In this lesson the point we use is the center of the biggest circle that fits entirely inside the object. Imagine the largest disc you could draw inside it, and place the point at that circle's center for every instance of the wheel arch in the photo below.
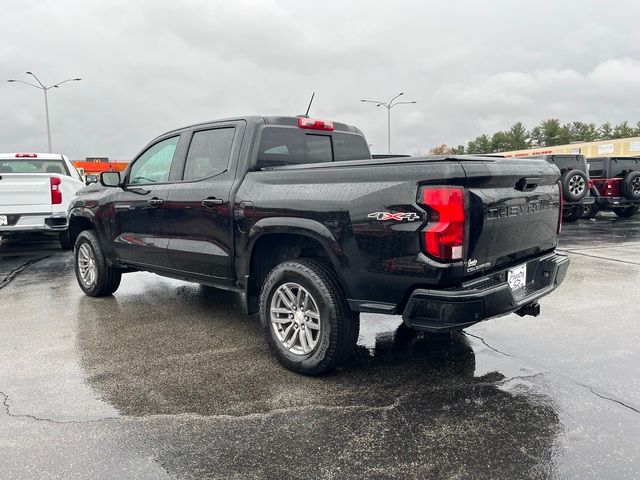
(78, 224)
(273, 241)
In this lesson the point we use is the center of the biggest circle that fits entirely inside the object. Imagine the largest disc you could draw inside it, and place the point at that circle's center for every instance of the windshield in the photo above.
(33, 165)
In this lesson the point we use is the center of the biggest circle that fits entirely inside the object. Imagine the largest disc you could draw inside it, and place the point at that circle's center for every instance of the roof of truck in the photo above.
(39, 156)
(289, 121)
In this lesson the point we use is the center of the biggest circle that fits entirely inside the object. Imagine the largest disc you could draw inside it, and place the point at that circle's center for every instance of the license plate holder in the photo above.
(4, 220)
(517, 277)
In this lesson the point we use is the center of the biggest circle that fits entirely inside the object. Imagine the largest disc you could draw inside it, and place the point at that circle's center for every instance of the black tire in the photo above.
(590, 211)
(571, 214)
(65, 241)
(107, 278)
(339, 326)
(574, 185)
(631, 185)
(626, 212)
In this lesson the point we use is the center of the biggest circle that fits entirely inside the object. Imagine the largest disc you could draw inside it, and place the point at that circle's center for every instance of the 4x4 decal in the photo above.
(410, 216)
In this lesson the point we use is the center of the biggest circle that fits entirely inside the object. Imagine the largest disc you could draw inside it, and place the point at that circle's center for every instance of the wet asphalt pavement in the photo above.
(168, 380)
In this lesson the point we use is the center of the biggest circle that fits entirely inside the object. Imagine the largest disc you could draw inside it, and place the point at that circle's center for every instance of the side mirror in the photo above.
(89, 179)
(110, 179)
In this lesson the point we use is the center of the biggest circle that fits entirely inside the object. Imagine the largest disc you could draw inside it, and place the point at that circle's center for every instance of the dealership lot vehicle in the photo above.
(35, 192)
(575, 184)
(295, 215)
(615, 183)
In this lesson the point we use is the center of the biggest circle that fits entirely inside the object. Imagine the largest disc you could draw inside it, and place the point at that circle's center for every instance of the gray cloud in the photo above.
(150, 66)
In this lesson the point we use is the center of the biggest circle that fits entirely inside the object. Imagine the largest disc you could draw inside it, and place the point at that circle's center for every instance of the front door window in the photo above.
(154, 165)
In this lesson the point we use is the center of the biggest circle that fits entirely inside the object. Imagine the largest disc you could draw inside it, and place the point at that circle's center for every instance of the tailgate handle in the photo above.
(526, 184)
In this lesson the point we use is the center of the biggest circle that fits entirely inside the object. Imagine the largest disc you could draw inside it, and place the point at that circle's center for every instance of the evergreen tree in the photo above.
(605, 132)
(500, 142)
(623, 130)
(517, 137)
(551, 132)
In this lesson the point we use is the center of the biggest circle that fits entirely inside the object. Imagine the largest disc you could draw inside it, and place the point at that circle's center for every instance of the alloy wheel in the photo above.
(576, 184)
(87, 265)
(295, 318)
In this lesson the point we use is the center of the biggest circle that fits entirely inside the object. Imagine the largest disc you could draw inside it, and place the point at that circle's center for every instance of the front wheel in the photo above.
(626, 212)
(305, 317)
(95, 277)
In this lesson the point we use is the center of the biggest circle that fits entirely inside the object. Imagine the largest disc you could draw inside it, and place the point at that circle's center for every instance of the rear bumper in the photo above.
(483, 298)
(615, 202)
(48, 222)
(586, 200)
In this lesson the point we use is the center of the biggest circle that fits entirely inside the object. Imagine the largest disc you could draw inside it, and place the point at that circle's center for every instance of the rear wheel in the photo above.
(571, 214)
(626, 212)
(631, 185)
(590, 211)
(95, 277)
(305, 317)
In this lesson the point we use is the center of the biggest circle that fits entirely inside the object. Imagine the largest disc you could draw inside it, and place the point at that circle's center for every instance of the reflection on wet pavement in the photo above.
(168, 379)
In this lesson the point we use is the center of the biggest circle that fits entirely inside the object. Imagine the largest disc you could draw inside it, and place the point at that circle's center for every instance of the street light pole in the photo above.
(44, 89)
(46, 112)
(388, 105)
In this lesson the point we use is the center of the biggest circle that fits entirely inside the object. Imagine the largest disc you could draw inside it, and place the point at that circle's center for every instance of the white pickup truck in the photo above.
(35, 192)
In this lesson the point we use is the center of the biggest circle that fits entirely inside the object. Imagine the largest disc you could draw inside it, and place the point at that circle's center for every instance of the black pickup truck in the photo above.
(295, 215)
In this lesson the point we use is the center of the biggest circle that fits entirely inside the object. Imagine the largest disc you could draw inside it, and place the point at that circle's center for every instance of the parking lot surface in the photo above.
(169, 380)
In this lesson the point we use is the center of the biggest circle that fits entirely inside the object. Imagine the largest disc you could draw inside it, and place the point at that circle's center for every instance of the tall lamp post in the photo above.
(388, 105)
(41, 86)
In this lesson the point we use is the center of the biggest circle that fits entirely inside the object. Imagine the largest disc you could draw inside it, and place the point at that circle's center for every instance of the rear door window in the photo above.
(208, 153)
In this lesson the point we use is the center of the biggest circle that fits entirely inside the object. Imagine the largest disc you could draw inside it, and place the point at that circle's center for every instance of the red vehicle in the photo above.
(615, 183)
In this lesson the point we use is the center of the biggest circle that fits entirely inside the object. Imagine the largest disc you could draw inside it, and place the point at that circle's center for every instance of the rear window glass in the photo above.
(348, 146)
(621, 166)
(292, 146)
(595, 168)
(208, 153)
(567, 162)
(33, 165)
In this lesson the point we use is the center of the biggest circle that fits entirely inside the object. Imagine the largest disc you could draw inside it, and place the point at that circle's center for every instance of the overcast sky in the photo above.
(151, 66)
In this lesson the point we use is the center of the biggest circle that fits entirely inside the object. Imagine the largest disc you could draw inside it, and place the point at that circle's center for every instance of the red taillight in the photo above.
(444, 235)
(26, 155)
(56, 193)
(559, 229)
(315, 124)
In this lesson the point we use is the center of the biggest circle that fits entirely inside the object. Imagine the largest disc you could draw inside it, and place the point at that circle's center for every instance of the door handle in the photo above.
(155, 201)
(211, 202)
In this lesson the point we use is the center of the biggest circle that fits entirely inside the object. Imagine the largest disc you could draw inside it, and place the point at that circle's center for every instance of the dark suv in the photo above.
(615, 184)
(575, 184)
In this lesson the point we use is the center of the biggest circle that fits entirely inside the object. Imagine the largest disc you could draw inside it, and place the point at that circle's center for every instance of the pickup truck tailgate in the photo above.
(25, 193)
(514, 207)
